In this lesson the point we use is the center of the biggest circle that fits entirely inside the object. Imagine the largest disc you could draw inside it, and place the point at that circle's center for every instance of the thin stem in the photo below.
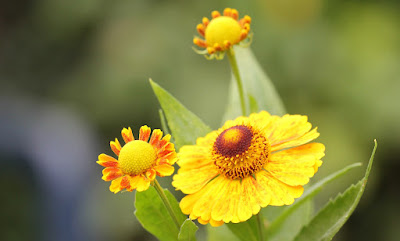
(260, 226)
(235, 70)
(164, 198)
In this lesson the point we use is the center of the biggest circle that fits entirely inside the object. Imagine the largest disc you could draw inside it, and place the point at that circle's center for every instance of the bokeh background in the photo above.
(73, 73)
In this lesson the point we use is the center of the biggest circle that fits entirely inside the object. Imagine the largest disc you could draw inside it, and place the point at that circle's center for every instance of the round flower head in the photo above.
(139, 161)
(249, 163)
(222, 32)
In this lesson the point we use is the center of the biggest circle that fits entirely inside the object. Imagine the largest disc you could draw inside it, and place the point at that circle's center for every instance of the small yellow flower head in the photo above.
(222, 32)
(139, 161)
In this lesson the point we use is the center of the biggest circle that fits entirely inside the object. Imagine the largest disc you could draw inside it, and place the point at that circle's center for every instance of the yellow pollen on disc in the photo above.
(232, 136)
(240, 151)
(136, 157)
(222, 29)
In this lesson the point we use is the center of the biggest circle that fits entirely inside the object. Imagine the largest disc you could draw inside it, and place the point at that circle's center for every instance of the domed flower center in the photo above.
(136, 157)
(222, 29)
(233, 141)
(240, 151)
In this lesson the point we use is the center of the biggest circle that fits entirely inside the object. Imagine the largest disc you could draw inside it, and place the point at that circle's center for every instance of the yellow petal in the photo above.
(221, 206)
(248, 204)
(155, 137)
(111, 173)
(190, 157)
(295, 166)
(233, 202)
(216, 223)
(309, 136)
(144, 133)
(164, 170)
(142, 184)
(202, 208)
(187, 203)
(116, 185)
(208, 140)
(317, 164)
(192, 180)
(107, 161)
(115, 146)
(281, 193)
(288, 131)
(127, 135)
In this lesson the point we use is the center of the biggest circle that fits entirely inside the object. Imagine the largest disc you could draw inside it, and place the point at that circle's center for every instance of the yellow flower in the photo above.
(139, 161)
(222, 32)
(249, 163)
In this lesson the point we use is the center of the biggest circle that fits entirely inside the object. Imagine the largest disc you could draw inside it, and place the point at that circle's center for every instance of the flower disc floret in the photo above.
(240, 151)
(249, 163)
(136, 157)
(139, 161)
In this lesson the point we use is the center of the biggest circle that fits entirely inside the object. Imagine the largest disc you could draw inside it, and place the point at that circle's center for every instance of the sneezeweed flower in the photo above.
(222, 32)
(249, 163)
(139, 161)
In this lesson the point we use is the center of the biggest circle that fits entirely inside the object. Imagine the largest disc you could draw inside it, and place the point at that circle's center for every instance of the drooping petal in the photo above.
(317, 165)
(116, 185)
(107, 161)
(232, 202)
(151, 174)
(191, 180)
(203, 207)
(144, 133)
(164, 170)
(127, 135)
(115, 146)
(295, 166)
(216, 223)
(142, 184)
(111, 173)
(248, 203)
(281, 193)
(125, 182)
(187, 203)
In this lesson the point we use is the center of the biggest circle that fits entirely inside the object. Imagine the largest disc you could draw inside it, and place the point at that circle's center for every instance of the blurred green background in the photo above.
(73, 73)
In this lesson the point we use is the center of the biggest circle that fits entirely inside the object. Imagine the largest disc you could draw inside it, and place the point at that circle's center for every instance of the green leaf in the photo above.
(256, 84)
(334, 215)
(154, 217)
(253, 104)
(163, 121)
(292, 218)
(245, 231)
(185, 126)
(221, 233)
(188, 231)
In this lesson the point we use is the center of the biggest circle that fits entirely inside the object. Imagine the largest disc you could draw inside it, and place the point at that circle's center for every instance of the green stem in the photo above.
(164, 198)
(260, 226)
(235, 71)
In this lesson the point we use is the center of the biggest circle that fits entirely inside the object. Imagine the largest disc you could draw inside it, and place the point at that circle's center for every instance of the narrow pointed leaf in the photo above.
(334, 215)
(154, 217)
(245, 231)
(163, 121)
(185, 126)
(256, 84)
(293, 218)
(188, 231)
